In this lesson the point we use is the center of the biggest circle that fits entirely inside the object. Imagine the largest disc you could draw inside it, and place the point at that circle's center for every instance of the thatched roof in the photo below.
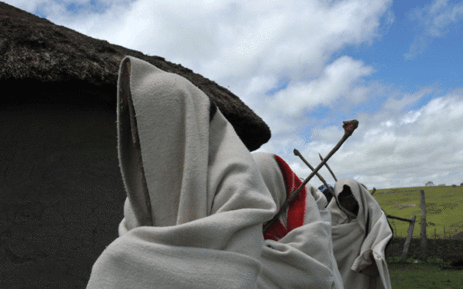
(43, 62)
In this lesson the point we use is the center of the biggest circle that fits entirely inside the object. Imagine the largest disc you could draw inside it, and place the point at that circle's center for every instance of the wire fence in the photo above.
(448, 233)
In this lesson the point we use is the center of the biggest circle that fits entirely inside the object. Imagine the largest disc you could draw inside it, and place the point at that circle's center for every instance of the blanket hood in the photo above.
(196, 200)
(360, 233)
(155, 122)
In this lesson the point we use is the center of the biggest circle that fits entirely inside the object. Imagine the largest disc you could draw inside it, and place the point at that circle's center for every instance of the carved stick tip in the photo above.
(350, 125)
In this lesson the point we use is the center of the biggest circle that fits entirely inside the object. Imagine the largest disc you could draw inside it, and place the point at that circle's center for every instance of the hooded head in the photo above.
(176, 150)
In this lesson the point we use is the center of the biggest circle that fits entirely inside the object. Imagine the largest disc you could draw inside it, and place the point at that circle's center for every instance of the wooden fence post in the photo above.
(423, 227)
(409, 238)
(409, 234)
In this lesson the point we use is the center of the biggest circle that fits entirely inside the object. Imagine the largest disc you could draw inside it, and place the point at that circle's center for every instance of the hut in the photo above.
(62, 192)
(47, 63)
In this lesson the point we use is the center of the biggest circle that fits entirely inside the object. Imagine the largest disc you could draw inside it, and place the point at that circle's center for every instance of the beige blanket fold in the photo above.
(298, 252)
(196, 200)
(359, 239)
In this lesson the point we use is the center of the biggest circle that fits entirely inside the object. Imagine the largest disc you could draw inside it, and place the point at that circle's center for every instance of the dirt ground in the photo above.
(61, 194)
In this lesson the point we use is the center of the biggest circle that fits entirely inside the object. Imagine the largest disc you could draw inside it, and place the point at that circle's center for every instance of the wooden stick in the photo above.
(423, 238)
(328, 167)
(408, 239)
(397, 218)
(297, 153)
(349, 127)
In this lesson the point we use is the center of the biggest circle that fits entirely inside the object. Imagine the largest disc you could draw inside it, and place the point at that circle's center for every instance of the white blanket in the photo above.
(197, 200)
(359, 242)
(298, 252)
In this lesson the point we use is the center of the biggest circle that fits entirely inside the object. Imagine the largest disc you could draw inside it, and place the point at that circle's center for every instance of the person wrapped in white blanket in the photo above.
(360, 234)
(197, 200)
(358, 237)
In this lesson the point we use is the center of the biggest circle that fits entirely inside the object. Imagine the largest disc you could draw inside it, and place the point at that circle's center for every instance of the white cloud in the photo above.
(385, 153)
(29, 6)
(405, 100)
(328, 134)
(433, 21)
(337, 80)
(387, 123)
(411, 117)
(229, 41)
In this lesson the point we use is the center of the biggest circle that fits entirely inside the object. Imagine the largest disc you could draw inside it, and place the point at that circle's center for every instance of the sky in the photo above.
(306, 66)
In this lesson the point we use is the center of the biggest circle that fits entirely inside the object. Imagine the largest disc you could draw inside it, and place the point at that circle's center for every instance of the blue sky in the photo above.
(439, 63)
(305, 67)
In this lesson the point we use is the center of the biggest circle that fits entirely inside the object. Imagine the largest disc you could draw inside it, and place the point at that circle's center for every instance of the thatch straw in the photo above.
(39, 56)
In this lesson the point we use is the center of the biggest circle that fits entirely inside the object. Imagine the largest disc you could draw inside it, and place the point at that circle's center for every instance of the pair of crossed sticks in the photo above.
(297, 153)
(349, 127)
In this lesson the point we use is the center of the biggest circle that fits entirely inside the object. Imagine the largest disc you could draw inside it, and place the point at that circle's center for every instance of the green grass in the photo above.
(443, 208)
(423, 275)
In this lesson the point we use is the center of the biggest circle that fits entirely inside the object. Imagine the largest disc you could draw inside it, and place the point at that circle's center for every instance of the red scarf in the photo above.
(295, 213)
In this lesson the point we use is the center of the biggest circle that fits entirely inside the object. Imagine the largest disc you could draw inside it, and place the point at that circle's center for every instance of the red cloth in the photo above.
(295, 213)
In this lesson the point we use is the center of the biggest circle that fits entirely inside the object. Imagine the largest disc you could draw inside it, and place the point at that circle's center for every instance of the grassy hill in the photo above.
(444, 207)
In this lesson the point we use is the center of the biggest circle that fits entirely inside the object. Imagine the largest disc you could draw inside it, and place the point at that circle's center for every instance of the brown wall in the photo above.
(62, 193)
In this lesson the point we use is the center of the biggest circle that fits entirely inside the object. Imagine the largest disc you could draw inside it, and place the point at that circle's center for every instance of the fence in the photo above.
(450, 236)
(423, 239)
(412, 220)
(409, 234)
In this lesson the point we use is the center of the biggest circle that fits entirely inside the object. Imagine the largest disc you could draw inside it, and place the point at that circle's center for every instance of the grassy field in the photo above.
(413, 275)
(444, 207)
